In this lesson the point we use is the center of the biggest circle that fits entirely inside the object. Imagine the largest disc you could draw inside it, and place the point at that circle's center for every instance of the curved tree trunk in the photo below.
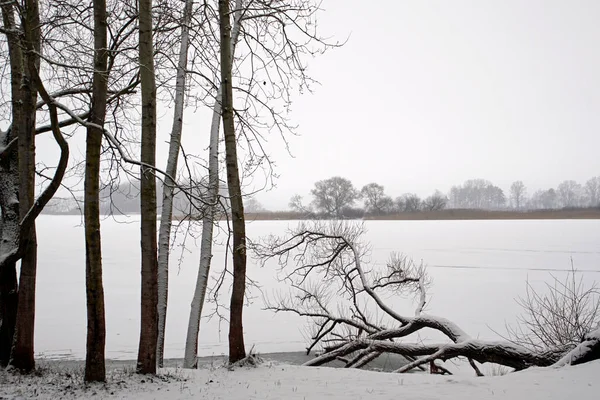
(191, 342)
(164, 235)
(237, 349)
(96, 327)
(146, 362)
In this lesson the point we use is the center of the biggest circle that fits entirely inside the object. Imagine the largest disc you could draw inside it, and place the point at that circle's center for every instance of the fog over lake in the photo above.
(478, 268)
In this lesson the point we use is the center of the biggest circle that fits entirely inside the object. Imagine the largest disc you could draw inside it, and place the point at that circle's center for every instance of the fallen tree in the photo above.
(343, 296)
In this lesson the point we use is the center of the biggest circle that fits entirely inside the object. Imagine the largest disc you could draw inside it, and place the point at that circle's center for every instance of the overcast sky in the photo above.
(428, 94)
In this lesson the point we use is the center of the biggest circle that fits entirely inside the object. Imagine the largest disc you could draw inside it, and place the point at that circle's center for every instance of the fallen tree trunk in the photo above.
(332, 254)
(588, 350)
(503, 353)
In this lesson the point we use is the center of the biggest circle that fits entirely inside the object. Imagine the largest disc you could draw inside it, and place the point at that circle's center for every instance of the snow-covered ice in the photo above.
(478, 268)
(277, 381)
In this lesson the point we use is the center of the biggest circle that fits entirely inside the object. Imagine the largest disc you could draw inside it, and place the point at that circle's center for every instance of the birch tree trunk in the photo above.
(237, 349)
(96, 328)
(146, 362)
(164, 238)
(22, 356)
(191, 342)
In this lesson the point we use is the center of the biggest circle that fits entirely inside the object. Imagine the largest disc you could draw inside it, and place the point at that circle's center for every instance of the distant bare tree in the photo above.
(252, 205)
(517, 194)
(494, 197)
(409, 202)
(436, 202)
(543, 199)
(376, 201)
(477, 194)
(592, 191)
(296, 203)
(569, 193)
(333, 195)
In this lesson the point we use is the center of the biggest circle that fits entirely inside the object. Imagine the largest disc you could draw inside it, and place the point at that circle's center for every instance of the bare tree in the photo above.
(253, 206)
(275, 37)
(323, 264)
(569, 193)
(376, 201)
(408, 202)
(333, 195)
(96, 331)
(237, 350)
(518, 192)
(9, 179)
(191, 343)
(24, 123)
(592, 191)
(146, 362)
(168, 188)
(559, 317)
(544, 199)
(477, 194)
(435, 202)
(70, 79)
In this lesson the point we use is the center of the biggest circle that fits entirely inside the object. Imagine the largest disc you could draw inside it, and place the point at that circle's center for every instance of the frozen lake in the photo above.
(478, 267)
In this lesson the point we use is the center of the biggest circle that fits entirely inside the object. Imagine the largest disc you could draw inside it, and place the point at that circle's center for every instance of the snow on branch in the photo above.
(333, 285)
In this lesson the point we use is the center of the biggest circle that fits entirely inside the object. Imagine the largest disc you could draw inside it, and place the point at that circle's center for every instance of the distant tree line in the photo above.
(338, 197)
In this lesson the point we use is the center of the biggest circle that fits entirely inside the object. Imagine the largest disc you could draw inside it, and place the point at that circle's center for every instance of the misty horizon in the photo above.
(425, 96)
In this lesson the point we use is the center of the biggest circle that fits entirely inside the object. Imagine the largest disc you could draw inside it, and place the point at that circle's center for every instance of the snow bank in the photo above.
(275, 381)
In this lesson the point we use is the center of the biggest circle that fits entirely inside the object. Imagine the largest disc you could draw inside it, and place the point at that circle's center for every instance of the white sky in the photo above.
(427, 94)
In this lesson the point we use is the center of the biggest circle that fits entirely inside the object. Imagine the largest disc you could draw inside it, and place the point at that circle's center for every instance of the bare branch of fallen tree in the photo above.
(331, 285)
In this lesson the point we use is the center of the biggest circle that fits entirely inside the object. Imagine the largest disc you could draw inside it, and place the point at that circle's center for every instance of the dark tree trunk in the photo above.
(9, 192)
(146, 363)
(22, 356)
(8, 310)
(96, 329)
(237, 349)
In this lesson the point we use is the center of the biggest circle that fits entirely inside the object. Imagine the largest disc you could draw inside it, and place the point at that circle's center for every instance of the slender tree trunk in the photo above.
(9, 194)
(96, 328)
(237, 349)
(191, 343)
(166, 216)
(23, 351)
(146, 362)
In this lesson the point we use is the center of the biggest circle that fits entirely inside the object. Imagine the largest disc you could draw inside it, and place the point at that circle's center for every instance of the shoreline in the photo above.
(446, 215)
(386, 362)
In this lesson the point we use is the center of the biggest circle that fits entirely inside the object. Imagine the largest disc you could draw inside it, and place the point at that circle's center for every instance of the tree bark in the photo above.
(237, 349)
(9, 191)
(95, 370)
(9, 195)
(191, 343)
(23, 350)
(164, 238)
(146, 362)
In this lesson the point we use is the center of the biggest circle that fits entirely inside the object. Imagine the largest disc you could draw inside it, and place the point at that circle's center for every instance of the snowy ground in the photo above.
(279, 381)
